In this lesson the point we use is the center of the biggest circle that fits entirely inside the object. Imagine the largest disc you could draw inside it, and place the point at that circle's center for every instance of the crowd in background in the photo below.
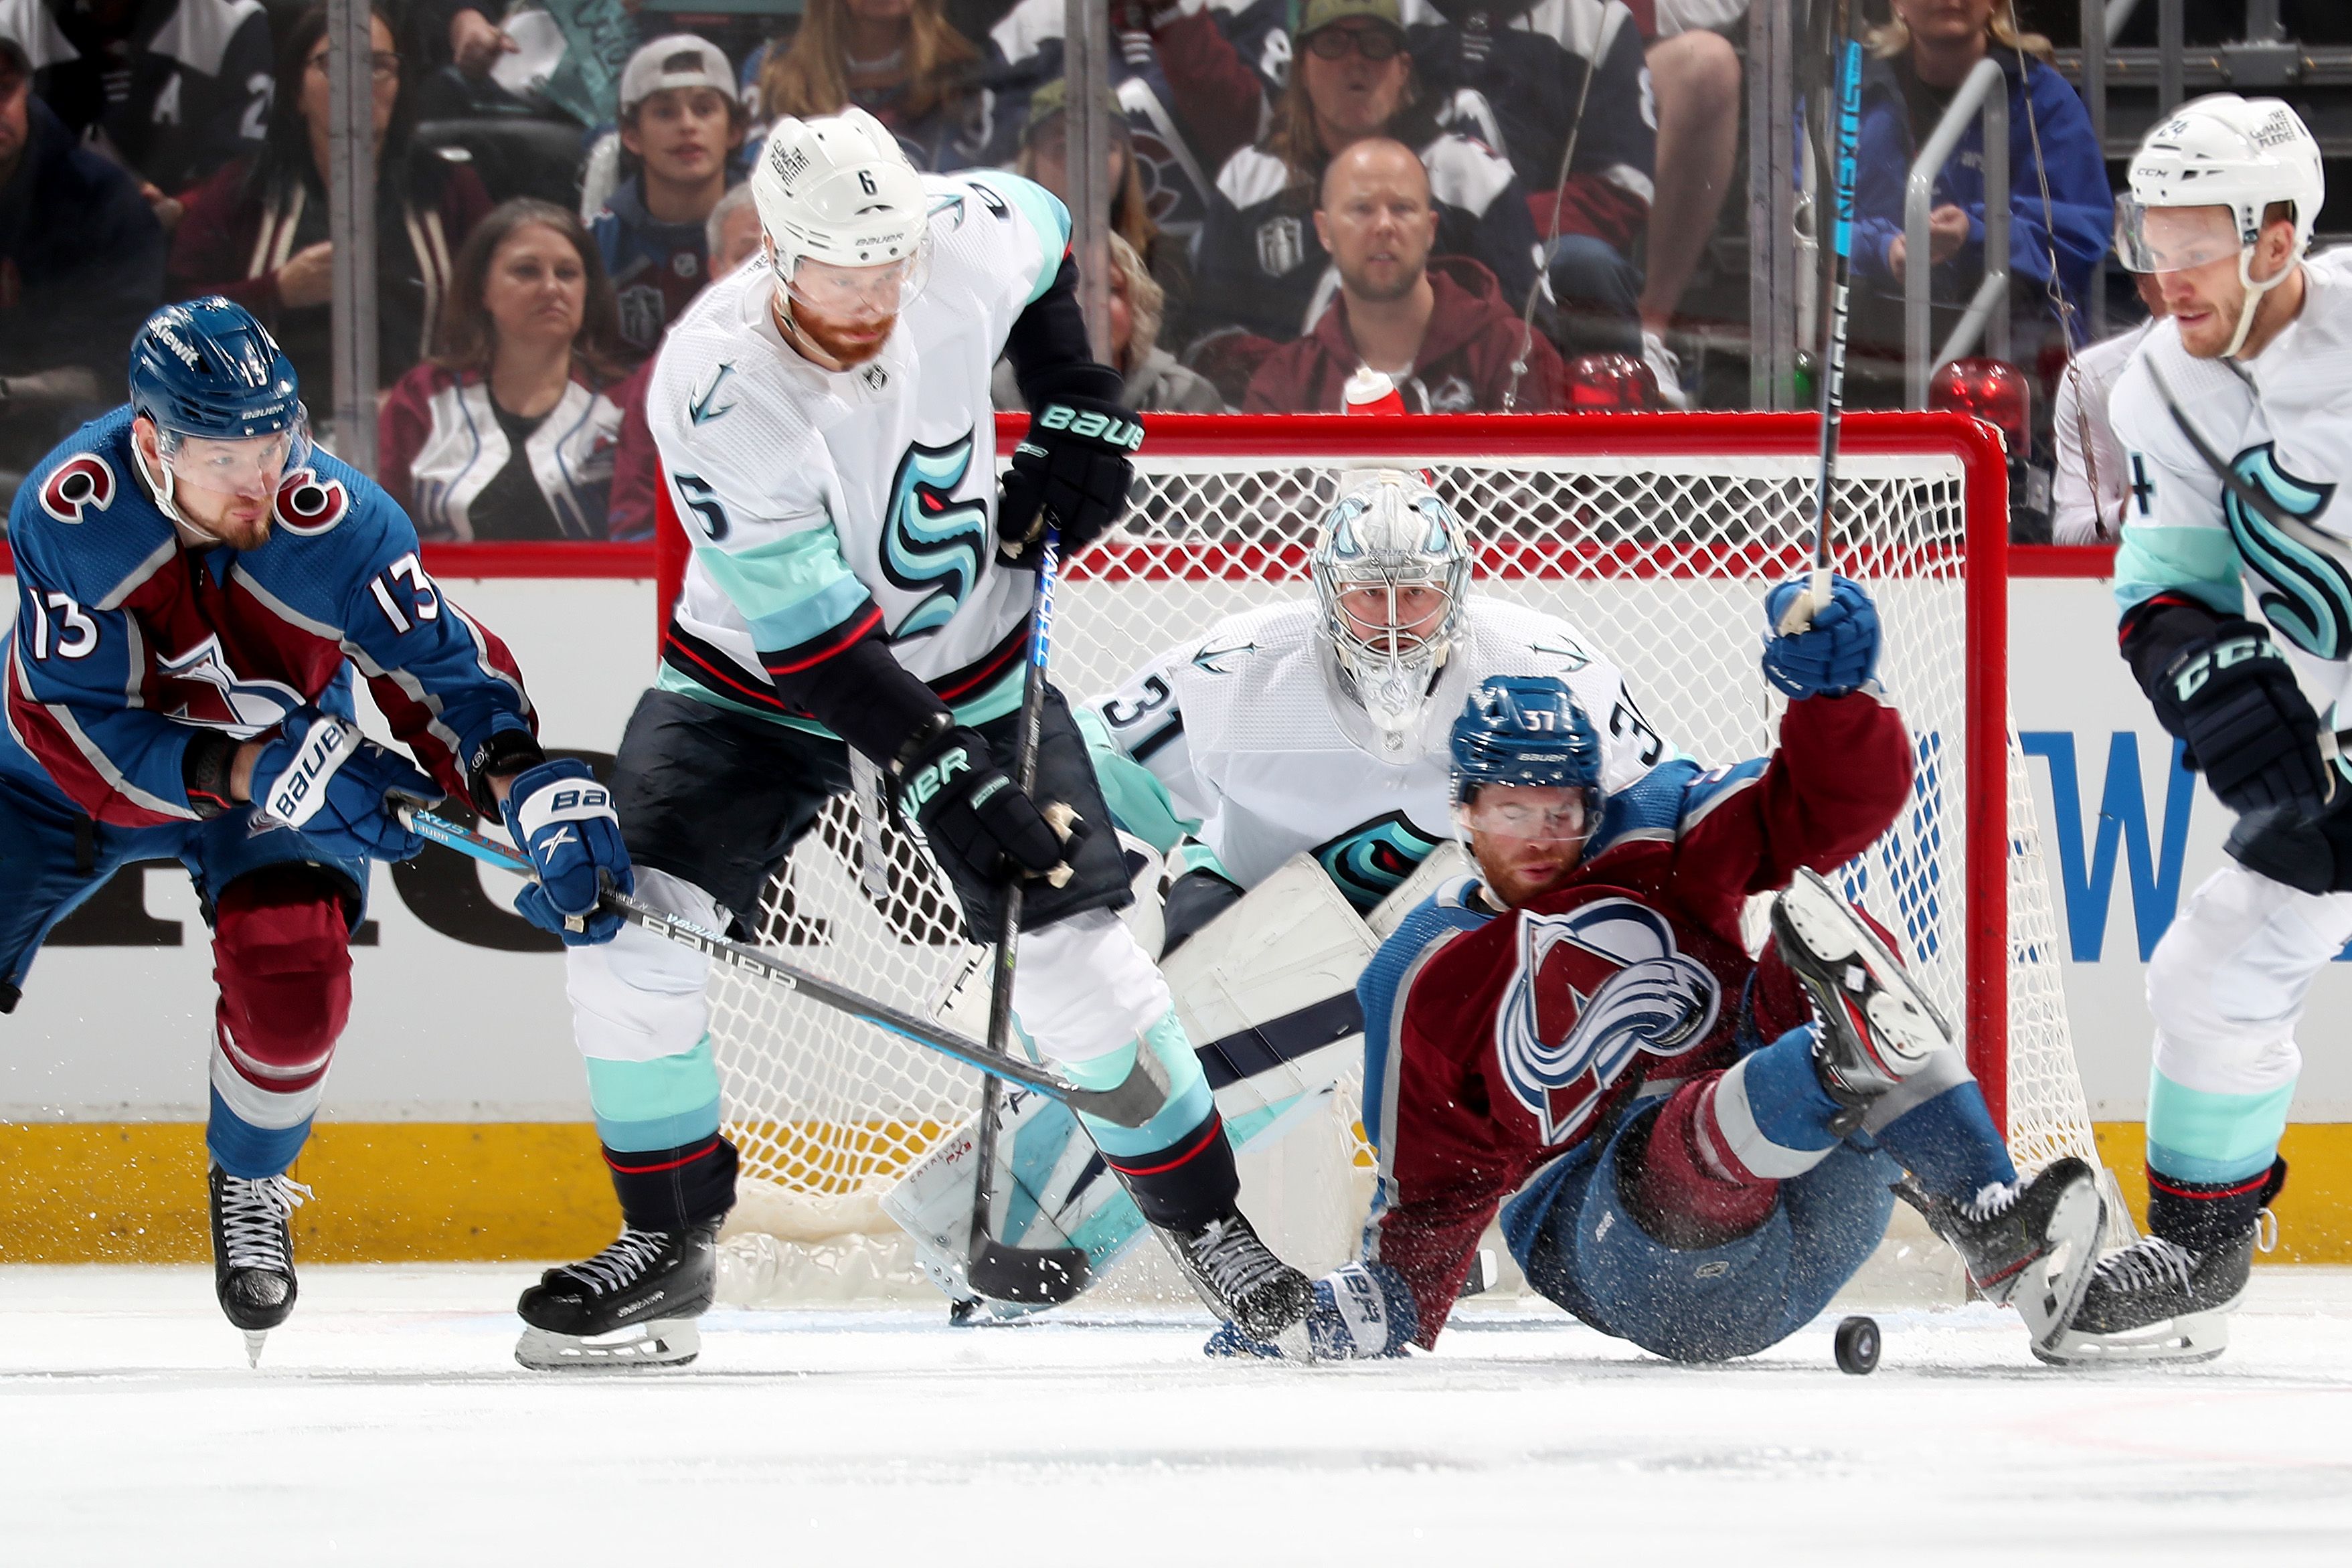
(1476, 198)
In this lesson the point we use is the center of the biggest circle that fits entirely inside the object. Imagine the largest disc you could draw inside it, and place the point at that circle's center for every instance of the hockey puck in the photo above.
(1857, 1345)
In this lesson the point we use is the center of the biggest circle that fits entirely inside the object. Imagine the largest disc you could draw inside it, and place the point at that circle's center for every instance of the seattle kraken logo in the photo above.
(2307, 575)
(929, 539)
(1371, 859)
(1595, 987)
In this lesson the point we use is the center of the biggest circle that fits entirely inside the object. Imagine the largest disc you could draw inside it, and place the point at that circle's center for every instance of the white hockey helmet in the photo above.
(1389, 534)
(838, 190)
(2234, 154)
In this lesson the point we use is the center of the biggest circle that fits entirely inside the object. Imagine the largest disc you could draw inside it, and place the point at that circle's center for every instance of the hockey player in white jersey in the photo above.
(2237, 414)
(1320, 726)
(856, 581)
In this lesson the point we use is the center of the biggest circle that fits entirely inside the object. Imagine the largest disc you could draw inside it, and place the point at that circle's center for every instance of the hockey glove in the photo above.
(563, 819)
(1074, 465)
(323, 778)
(1361, 1311)
(969, 808)
(2232, 696)
(1836, 653)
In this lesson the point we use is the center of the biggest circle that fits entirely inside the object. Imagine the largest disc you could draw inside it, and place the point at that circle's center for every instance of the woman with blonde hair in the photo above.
(1154, 379)
(508, 430)
(900, 61)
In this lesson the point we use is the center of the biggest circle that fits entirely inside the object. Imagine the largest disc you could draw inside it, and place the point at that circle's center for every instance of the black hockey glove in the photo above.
(970, 808)
(2232, 696)
(1073, 464)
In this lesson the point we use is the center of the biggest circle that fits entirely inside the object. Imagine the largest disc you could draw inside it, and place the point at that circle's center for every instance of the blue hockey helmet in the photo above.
(1525, 731)
(206, 370)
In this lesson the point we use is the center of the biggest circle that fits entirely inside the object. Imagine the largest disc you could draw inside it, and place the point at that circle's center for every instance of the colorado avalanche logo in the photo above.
(78, 486)
(2309, 589)
(201, 688)
(1595, 987)
(930, 539)
(1371, 860)
(308, 503)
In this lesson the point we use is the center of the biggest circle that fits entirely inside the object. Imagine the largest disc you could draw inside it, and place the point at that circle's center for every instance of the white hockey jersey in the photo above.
(1251, 736)
(823, 504)
(2282, 421)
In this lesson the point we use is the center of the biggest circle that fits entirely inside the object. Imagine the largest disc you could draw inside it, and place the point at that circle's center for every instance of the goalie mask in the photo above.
(2201, 183)
(1391, 570)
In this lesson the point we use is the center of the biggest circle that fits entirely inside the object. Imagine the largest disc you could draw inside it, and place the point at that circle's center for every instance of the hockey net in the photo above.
(1655, 535)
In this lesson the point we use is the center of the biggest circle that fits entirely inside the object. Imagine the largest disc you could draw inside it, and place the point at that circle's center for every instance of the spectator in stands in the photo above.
(1441, 330)
(1920, 60)
(1154, 379)
(1187, 96)
(81, 264)
(681, 125)
(734, 236)
(1695, 77)
(2091, 498)
(1045, 158)
(508, 432)
(1532, 64)
(897, 59)
(175, 88)
(257, 231)
(1262, 269)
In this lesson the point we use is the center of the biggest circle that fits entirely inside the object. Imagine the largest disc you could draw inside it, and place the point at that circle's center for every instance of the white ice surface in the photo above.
(388, 1425)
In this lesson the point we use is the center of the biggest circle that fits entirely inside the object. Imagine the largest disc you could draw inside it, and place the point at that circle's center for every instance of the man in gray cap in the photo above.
(681, 124)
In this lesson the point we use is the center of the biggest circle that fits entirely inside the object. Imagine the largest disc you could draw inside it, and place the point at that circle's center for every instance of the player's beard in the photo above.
(842, 348)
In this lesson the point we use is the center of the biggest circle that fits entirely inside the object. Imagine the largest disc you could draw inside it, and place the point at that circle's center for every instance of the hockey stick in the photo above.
(994, 1269)
(1131, 1104)
(1845, 131)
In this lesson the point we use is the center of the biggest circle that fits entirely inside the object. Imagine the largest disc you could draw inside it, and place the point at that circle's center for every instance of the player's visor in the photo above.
(858, 293)
(1551, 813)
(248, 467)
(2173, 239)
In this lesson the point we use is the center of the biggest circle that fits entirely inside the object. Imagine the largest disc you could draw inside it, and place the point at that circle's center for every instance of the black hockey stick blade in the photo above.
(1033, 1276)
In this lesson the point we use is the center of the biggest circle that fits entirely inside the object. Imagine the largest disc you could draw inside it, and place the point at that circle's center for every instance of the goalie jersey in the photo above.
(824, 508)
(1245, 740)
(2283, 420)
(1499, 1045)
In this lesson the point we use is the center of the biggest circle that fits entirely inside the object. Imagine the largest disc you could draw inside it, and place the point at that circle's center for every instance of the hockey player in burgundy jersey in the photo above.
(1704, 1146)
(196, 583)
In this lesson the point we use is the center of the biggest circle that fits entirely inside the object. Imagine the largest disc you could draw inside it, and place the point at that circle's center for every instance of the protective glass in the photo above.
(1375, 43)
(859, 292)
(2173, 239)
(250, 467)
(1549, 814)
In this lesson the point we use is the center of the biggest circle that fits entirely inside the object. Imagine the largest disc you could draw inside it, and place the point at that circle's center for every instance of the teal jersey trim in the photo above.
(992, 703)
(2194, 1135)
(789, 590)
(657, 1104)
(1140, 803)
(2199, 563)
(1189, 1102)
(1047, 218)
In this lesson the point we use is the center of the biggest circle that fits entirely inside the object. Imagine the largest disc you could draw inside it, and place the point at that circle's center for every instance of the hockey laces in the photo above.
(1994, 1197)
(2150, 1261)
(1234, 1260)
(253, 1220)
(619, 1265)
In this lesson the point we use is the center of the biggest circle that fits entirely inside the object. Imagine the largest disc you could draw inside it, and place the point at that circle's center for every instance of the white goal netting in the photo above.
(1659, 558)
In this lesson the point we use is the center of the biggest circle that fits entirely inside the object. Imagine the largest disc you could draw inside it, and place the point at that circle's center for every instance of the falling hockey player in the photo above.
(2237, 414)
(1316, 726)
(858, 582)
(1703, 1145)
(194, 579)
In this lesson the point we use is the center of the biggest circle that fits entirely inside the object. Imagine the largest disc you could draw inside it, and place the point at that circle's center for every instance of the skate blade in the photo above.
(254, 1340)
(661, 1341)
(2185, 1340)
(1811, 915)
(2047, 1291)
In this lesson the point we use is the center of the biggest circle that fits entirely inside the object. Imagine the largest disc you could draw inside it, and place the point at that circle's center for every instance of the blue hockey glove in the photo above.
(564, 819)
(1834, 655)
(323, 778)
(1361, 1311)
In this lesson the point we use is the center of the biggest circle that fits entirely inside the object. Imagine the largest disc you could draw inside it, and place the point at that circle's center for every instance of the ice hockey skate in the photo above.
(2030, 1244)
(1878, 1028)
(2156, 1301)
(631, 1305)
(253, 1252)
(1242, 1280)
